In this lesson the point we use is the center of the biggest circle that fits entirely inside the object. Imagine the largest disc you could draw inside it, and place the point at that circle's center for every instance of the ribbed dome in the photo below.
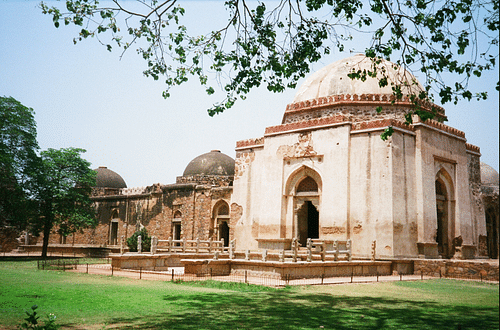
(108, 179)
(333, 80)
(489, 176)
(211, 163)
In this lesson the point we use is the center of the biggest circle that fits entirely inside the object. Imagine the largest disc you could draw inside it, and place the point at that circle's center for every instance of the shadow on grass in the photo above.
(288, 310)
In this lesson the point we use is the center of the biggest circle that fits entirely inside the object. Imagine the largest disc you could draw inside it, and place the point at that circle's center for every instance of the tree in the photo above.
(276, 46)
(18, 147)
(61, 188)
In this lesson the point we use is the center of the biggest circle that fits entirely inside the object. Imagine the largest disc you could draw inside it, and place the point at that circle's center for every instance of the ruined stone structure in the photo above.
(324, 173)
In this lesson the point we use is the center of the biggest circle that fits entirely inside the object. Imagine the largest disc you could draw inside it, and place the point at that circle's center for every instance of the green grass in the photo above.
(82, 301)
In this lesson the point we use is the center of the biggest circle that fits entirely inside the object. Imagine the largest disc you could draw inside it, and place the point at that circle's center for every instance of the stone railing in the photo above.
(319, 246)
(316, 247)
(187, 246)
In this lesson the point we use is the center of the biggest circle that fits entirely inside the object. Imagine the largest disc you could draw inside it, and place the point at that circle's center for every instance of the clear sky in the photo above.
(86, 97)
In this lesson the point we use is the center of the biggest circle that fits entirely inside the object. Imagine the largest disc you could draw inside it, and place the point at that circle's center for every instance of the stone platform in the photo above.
(147, 261)
(293, 270)
(204, 264)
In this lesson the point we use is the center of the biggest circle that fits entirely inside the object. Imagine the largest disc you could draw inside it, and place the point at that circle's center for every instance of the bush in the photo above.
(31, 322)
(146, 241)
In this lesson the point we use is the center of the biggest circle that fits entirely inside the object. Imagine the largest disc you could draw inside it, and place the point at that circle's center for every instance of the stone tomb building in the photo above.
(324, 172)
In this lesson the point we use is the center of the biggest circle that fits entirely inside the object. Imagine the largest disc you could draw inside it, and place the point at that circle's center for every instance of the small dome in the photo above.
(211, 163)
(489, 176)
(333, 80)
(108, 179)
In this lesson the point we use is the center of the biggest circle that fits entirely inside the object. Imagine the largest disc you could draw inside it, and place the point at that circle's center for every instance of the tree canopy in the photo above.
(40, 191)
(18, 147)
(274, 43)
(61, 188)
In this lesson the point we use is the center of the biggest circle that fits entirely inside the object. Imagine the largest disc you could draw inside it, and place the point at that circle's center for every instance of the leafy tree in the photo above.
(274, 43)
(18, 147)
(61, 188)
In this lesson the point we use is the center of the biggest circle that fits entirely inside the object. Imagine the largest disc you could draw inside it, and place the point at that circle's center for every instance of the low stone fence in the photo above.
(473, 269)
(187, 246)
(316, 249)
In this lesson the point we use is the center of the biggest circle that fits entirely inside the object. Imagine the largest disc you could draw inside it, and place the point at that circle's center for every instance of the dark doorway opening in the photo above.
(177, 233)
(114, 233)
(224, 232)
(491, 232)
(442, 219)
(308, 226)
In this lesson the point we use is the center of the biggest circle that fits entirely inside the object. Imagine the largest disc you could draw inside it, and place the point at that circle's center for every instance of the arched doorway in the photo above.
(444, 214)
(491, 232)
(177, 226)
(307, 201)
(221, 221)
(113, 230)
(442, 218)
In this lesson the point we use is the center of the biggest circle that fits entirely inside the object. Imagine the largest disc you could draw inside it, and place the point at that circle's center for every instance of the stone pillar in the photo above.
(309, 250)
(139, 244)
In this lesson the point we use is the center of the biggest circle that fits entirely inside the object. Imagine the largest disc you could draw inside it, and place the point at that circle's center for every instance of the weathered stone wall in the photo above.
(154, 207)
(458, 268)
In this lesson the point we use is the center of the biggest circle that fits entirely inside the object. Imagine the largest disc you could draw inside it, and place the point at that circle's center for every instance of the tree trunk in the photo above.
(47, 226)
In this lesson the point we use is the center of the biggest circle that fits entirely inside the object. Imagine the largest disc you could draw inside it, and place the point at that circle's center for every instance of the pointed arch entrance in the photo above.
(444, 214)
(220, 222)
(304, 186)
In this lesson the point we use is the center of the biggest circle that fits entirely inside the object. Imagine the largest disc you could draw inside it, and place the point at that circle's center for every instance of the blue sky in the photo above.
(87, 97)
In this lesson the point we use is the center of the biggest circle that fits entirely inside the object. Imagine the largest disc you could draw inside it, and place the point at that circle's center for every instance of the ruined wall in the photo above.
(457, 268)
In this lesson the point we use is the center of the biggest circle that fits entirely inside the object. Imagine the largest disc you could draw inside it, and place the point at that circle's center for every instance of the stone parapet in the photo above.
(211, 180)
(442, 127)
(250, 143)
(473, 148)
(306, 124)
(381, 123)
(379, 99)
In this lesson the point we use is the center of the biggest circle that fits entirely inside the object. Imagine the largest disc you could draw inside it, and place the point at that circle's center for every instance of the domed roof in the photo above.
(211, 163)
(333, 79)
(489, 176)
(108, 179)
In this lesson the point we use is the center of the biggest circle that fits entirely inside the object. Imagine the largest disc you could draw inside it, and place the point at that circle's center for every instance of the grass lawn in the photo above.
(82, 301)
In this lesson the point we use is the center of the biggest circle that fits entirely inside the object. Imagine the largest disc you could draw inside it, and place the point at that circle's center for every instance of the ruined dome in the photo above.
(489, 176)
(211, 163)
(108, 179)
(333, 80)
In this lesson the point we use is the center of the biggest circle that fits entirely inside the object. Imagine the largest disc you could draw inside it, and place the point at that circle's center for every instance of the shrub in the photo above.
(146, 241)
(31, 322)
